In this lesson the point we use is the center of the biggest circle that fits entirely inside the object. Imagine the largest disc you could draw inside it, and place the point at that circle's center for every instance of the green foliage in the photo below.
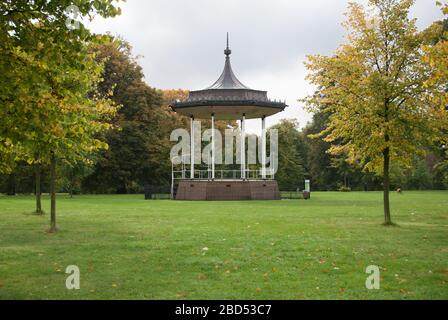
(386, 103)
(57, 83)
(290, 174)
(328, 172)
(139, 146)
(376, 103)
(47, 73)
(323, 175)
(344, 189)
(50, 108)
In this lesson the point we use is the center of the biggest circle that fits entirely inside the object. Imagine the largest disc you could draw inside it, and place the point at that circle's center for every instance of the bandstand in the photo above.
(227, 99)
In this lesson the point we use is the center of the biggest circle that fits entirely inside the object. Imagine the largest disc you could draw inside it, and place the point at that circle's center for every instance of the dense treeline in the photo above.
(131, 161)
(138, 143)
(139, 131)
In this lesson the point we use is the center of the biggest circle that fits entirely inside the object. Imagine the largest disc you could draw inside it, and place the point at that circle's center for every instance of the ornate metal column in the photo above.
(213, 146)
(243, 147)
(192, 147)
(263, 147)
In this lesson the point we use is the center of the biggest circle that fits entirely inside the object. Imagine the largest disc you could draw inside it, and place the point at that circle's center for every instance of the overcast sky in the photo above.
(181, 42)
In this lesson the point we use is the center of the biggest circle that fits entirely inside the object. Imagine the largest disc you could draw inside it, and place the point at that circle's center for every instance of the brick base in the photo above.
(227, 190)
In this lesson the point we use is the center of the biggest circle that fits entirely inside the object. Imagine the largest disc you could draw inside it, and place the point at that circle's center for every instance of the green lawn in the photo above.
(129, 248)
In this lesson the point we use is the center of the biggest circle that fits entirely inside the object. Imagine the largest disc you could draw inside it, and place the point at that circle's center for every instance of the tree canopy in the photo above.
(384, 101)
(50, 107)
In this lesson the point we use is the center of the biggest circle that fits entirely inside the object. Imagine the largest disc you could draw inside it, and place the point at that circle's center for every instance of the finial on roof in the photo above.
(227, 52)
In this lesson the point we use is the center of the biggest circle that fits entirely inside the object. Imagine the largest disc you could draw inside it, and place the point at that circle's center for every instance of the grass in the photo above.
(128, 248)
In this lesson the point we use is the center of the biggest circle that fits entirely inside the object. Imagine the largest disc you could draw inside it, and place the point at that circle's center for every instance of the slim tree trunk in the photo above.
(11, 185)
(386, 184)
(53, 192)
(38, 190)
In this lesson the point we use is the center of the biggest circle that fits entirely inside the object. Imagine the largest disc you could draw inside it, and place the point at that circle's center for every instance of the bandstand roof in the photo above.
(228, 99)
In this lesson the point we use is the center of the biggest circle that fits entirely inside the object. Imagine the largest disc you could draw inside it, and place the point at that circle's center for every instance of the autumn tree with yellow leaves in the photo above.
(383, 89)
(50, 109)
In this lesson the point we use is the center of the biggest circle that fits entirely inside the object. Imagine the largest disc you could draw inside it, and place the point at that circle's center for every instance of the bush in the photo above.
(344, 189)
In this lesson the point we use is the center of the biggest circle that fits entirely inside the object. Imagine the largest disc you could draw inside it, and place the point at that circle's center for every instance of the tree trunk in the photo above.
(11, 185)
(53, 192)
(38, 190)
(386, 184)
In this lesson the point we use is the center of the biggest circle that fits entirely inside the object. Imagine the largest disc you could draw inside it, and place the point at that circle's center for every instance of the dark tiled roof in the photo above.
(227, 80)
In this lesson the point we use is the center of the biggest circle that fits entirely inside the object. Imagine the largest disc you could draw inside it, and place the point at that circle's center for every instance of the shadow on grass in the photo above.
(390, 225)
(34, 213)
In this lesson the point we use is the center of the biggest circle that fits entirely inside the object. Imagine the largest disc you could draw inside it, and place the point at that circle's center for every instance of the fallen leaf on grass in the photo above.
(182, 294)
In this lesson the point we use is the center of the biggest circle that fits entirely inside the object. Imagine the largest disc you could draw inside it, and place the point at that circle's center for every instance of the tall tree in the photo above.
(290, 174)
(139, 146)
(375, 87)
(437, 57)
(49, 106)
(323, 175)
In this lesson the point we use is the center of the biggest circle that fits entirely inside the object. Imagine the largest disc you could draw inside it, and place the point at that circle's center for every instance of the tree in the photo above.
(436, 55)
(290, 174)
(71, 175)
(139, 145)
(344, 169)
(323, 175)
(375, 87)
(49, 106)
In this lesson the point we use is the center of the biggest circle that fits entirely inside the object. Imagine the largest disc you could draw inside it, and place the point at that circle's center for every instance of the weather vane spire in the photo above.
(227, 52)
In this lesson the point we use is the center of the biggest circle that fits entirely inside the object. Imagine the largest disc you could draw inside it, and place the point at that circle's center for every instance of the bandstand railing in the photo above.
(213, 174)
(222, 175)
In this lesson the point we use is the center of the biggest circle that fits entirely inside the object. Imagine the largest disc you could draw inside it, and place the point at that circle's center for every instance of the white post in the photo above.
(183, 166)
(172, 179)
(192, 147)
(213, 146)
(263, 148)
(243, 147)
